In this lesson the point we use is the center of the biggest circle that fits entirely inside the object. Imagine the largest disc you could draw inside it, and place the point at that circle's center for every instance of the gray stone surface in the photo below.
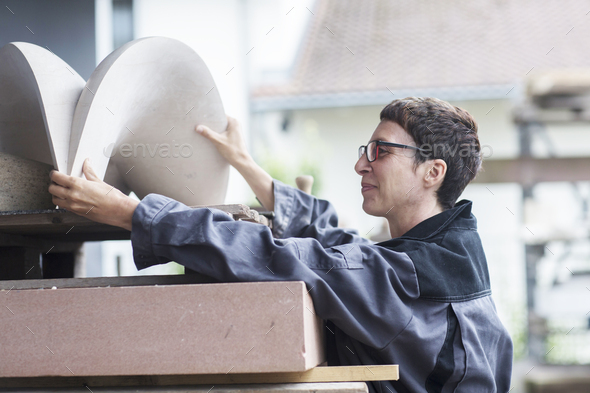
(139, 111)
(23, 184)
(38, 95)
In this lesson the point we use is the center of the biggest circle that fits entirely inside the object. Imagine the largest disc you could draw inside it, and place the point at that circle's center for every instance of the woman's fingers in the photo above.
(89, 172)
(75, 194)
(60, 178)
(208, 133)
(232, 124)
(92, 198)
(57, 191)
(60, 203)
(56, 201)
(229, 143)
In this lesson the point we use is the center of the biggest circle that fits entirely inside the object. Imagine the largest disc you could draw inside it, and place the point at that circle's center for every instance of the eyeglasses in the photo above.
(372, 149)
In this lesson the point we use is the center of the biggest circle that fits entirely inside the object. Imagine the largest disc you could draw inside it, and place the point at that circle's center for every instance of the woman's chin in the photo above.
(369, 209)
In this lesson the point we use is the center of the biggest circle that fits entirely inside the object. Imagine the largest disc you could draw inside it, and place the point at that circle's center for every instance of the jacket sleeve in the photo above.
(366, 290)
(298, 214)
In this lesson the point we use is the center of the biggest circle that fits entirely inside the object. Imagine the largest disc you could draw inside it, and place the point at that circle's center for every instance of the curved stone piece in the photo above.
(24, 184)
(38, 95)
(140, 107)
(114, 178)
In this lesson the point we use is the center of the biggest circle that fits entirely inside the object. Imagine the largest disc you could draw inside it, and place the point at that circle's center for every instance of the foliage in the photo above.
(282, 166)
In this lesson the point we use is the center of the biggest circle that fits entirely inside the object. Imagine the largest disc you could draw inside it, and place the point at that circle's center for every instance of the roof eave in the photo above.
(381, 97)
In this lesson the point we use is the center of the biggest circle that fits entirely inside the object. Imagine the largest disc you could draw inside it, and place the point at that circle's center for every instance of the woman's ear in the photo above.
(435, 173)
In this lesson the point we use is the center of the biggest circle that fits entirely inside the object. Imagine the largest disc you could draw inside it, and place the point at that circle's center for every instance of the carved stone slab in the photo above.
(140, 107)
(37, 99)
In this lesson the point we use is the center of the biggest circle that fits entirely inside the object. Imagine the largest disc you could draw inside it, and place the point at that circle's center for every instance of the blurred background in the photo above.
(307, 80)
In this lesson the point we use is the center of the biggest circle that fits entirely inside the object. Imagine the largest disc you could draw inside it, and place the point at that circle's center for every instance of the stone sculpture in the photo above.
(134, 118)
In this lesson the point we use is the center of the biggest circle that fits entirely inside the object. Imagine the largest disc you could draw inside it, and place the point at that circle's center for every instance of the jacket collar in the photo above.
(459, 216)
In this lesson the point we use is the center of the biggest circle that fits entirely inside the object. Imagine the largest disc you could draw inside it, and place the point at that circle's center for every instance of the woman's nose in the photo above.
(363, 165)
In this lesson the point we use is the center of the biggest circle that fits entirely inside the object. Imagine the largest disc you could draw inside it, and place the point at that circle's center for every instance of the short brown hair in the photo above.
(445, 132)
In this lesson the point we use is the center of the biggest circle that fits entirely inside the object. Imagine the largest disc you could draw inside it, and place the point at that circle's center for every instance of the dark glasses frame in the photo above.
(363, 148)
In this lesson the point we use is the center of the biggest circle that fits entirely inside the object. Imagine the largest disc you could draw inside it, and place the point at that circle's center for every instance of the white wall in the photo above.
(275, 31)
(223, 33)
(103, 12)
(217, 31)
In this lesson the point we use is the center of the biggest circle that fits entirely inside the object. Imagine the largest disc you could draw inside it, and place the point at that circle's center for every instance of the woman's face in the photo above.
(389, 184)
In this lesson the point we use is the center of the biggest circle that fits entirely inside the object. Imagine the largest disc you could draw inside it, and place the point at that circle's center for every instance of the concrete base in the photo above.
(24, 184)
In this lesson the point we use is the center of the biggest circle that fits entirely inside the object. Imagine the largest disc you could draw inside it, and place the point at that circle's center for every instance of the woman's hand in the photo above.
(92, 198)
(229, 143)
(231, 146)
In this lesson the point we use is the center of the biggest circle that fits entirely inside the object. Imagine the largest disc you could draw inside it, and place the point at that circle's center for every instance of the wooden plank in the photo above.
(317, 374)
(330, 374)
(58, 225)
(529, 171)
(311, 387)
(96, 282)
(61, 225)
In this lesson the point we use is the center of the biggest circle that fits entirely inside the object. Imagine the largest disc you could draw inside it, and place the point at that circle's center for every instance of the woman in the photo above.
(421, 300)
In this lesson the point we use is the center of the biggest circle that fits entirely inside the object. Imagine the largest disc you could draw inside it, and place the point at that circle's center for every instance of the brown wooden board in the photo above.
(58, 225)
(317, 374)
(95, 282)
(61, 225)
(160, 330)
(307, 387)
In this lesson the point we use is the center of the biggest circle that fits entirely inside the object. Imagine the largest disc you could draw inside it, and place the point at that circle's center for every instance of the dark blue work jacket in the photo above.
(422, 300)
